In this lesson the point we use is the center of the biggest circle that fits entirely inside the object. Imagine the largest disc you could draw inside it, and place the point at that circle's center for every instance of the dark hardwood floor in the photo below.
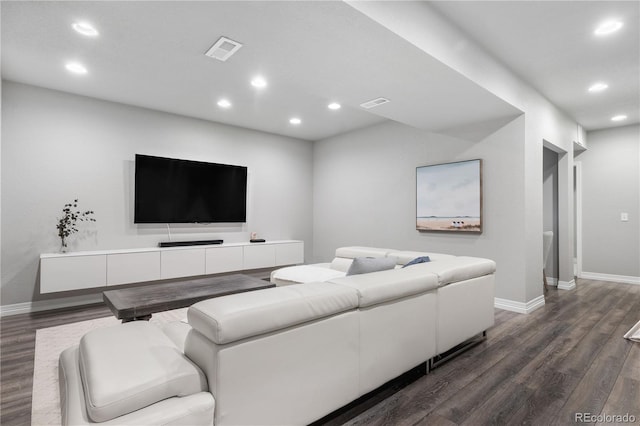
(541, 369)
(568, 357)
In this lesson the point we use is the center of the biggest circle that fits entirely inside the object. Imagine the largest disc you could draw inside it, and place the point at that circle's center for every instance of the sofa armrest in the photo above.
(458, 268)
(303, 274)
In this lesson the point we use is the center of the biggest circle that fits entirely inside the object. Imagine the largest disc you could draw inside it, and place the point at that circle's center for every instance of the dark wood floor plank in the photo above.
(623, 399)
(631, 367)
(550, 389)
(467, 401)
(591, 393)
(500, 406)
(435, 420)
(557, 348)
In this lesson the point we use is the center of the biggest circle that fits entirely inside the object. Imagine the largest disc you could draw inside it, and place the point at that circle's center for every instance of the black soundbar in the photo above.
(189, 243)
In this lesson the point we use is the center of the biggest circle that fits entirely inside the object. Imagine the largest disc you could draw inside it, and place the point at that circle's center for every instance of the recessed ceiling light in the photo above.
(620, 117)
(598, 87)
(224, 103)
(259, 82)
(295, 120)
(334, 105)
(76, 68)
(608, 27)
(85, 28)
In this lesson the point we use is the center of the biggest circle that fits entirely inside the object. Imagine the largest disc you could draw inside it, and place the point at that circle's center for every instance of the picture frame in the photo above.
(449, 197)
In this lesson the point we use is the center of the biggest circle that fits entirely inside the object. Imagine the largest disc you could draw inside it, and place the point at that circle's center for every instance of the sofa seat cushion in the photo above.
(304, 274)
(457, 268)
(130, 366)
(385, 286)
(238, 316)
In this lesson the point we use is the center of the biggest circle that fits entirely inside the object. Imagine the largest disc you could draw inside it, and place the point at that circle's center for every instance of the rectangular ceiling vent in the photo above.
(374, 103)
(223, 49)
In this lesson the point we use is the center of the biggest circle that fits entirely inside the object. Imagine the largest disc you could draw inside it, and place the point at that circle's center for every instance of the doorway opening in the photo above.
(577, 222)
(550, 209)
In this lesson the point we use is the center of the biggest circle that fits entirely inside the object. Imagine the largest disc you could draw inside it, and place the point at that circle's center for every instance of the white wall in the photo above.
(610, 186)
(365, 194)
(420, 24)
(58, 146)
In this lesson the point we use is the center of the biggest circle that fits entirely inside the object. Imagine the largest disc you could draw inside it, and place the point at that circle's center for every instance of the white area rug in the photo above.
(634, 333)
(50, 342)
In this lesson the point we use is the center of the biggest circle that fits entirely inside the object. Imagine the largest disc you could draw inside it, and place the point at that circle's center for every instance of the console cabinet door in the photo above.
(289, 253)
(182, 263)
(125, 268)
(223, 259)
(259, 256)
(72, 273)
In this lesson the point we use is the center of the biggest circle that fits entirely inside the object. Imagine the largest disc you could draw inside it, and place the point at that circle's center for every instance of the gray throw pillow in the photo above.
(364, 265)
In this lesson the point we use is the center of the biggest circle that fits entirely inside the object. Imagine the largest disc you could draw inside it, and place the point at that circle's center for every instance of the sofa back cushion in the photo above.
(385, 286)
(239, 316)
(405, 257)
(356, 251)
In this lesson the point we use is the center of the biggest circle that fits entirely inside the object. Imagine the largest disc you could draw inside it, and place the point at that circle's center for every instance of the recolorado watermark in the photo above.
(604, 418)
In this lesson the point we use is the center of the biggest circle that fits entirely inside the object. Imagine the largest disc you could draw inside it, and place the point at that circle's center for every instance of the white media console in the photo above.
(92, 269)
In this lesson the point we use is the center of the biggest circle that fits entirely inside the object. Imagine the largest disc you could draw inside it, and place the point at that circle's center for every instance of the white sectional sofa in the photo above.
(464, 286)
(287, 355)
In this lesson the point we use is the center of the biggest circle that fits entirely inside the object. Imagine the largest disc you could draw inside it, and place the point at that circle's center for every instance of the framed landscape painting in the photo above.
(449, 197)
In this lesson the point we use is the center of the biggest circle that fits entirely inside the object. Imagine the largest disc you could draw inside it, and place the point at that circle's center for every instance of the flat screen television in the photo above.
(169, 190)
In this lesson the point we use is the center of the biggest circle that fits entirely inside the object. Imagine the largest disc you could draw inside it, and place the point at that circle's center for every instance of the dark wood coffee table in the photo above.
(138, 303)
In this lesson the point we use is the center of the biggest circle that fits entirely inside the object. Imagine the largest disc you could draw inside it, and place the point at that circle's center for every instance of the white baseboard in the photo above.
(609, 277)
(566, 285)
(46, 305)
(519, 307)
(552, 281)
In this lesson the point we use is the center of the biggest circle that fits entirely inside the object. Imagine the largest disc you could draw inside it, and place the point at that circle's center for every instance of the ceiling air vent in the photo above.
(374, 103)
(223, 49)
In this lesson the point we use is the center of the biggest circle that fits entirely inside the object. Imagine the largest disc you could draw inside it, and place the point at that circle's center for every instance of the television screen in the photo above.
(169, 190)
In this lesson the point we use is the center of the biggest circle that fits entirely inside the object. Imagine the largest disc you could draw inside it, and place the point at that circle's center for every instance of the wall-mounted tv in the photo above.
(169, 190)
